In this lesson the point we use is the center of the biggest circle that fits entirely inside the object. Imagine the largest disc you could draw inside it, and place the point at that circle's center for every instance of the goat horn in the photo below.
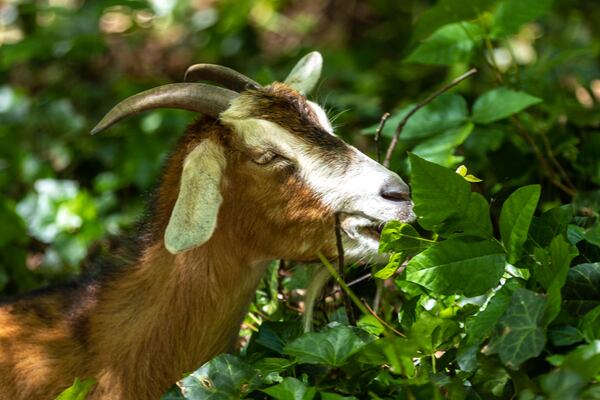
(198, 97)
(227, 77)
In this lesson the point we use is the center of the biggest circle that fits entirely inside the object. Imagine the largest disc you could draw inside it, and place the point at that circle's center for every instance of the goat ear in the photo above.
(194, 217)
(306, 73)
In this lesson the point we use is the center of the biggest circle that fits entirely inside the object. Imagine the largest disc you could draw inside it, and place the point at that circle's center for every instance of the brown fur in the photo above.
(137, 329)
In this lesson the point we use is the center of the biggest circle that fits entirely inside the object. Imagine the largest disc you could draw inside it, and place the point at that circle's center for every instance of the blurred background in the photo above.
(66, 196)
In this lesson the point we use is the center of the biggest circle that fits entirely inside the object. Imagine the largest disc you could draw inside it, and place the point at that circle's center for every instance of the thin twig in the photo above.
(429, 99)
(340, 251)
(546, 168)
(332, 270)
(382, 321)
(384, 118)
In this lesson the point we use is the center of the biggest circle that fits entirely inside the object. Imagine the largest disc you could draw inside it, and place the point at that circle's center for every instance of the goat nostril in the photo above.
(395, 192)
(395, 195)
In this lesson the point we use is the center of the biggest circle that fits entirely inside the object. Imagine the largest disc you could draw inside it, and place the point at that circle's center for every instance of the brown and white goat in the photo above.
(259, 177)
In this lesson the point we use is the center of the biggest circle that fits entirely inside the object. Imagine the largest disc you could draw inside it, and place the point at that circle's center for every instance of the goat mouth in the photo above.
(373, 231)
(358, 226)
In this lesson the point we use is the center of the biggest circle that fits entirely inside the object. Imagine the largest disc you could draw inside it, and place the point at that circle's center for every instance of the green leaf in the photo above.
(440, 148)
(589, 325)
(446, 112)
(593, 235)
(520, 335)
(564, 335)
(481, 325)
(394, 263)
(512, 14)
(551, 272)
(335, 396)
(274, 335)
(222, 378)
(370, 324)
(444, 203)
(78, 391)
(448, 11)
(333, 346)
(584, 360)
(270, 368)
(466, 266)
(397, 237)
(291, 389)
(551, 223)
(433, 333)
(449, 44)
(515, 219)
(501, 103)
(582, 290)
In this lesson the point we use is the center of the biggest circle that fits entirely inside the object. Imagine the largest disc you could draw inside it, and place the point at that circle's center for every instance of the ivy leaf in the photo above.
(333, 346)
(515, 218)
(582, 290)
(444, 203)
(274, 335)
(520, 335)
(466, 266)
(291, 389)
(270, 368)
(481, 325)
(449, 44)
(222, 378)
(501, 103)
(551, 272)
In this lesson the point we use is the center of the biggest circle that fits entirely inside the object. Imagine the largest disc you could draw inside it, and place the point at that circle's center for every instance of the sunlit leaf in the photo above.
(78, 391)
(467, 266)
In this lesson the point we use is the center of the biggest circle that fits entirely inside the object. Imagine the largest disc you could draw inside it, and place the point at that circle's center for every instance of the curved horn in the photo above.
(227, 77)
(198, 97)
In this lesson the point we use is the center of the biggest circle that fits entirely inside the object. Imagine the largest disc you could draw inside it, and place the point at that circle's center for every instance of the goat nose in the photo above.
(395, 191)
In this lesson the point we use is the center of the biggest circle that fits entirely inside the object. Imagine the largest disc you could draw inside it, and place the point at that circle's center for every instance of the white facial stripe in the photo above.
(321, 116)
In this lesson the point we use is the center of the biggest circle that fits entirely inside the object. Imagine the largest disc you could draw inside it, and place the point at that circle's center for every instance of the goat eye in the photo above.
(266, 157)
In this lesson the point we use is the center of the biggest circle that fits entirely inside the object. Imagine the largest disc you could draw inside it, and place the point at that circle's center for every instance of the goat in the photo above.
(259, 177)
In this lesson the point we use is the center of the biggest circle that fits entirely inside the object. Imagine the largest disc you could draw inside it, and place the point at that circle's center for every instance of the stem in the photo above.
(342, 284)
(545, 166)
(382, 122)
(429, 99)
(383, 322)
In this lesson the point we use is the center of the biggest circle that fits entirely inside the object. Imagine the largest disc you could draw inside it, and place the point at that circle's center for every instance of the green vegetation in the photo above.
(493, 294)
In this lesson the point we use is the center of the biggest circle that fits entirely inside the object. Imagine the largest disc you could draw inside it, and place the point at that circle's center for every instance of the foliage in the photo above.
(481, 326)
(496, 292)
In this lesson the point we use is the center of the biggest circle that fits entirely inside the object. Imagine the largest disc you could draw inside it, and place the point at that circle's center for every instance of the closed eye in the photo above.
(267, 157)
